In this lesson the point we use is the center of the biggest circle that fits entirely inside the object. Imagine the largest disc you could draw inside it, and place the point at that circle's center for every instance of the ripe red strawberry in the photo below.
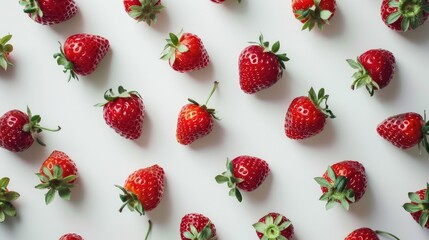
(314, 12)
(274, 226)
(81, 54)
(195, 121)
(259, 66)
(405, 130)
(19, 130)
(185, 52)
(344, 182)
(6, 199)
(143, 189)
(402, 15)
(419, 206)
(375, 69)
(49, 12)
(305, 116)
(221, 1)
(58, 173)
(124, 112)
(71, 236)
(5, 50)
(368, 234)
(244, 172)
(196, 226)
(143, 10)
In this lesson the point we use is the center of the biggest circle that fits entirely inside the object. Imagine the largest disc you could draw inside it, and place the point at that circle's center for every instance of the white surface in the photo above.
(251, 124)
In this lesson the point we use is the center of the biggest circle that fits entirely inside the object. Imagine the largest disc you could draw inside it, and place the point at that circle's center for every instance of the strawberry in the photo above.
(244, 172)
(143, 10)
(368, 234)
(375, 69)
(221, 1)
(143, 189)
(260, 66)
(124, 112)
(405, 130)
(5, 50)
(274, 226)
(195, 121)
(49, 12)
(71, 236)
(6, 199)
(57, 173)
(305, 116)
(81, 54)
(185, 52)
(19, 130)
(419, 206)
(344, 182)
(196, 226)
(403, 15)
(314, 12)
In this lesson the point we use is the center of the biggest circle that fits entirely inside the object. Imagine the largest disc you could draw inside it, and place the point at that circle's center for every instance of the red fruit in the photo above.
(71, 236)
(195, 121)
(58, 173)
(185, 52)
(305, 116)
(314, 12)
(401, 15)
(419, 206)
(405, 130)
(274, 226)
(81, 54)
(221, 1)
(244, 172)
(375, 69)
(6, 199)
(49, 12)
(5, 50)
(344, 182)
(143, 10)
(19, 130)
(260, 67)
(143, 189)
(368, 234)
(197, 227)
(124, 112)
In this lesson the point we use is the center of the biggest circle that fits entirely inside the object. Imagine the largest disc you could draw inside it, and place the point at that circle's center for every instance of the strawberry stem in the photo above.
(386, 234)
(148, 229)
(211, 93)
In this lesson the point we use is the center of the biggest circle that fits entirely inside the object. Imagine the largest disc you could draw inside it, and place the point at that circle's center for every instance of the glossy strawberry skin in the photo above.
(307, 4)
(258, 69)
(362, 234)
(55, 11)
(252, 170)
(402, 130)
(125, 116)
(12, 135)
(380, 65)
(194, 122)
(386, 10)
(195, 58)
(218, 1)
(287, 233)
(148, 185)
(199, 221)
(71, 236)
(61, 159)
(85, 51)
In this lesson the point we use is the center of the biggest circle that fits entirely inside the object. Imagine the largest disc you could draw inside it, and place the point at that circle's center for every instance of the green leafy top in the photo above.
(6, 199)
(425, 134)
(205, 234)
(419, 205)
(411, 13)
(318, 99)
(34, 127)
(313, 16)
(173, 45)
(54, 181)
(68, 66)
(228, 178)
(272, 227)
(362, 77)
(211, 111)
(130, 200)
(282, 57)
(5, 49)
(147, 11)
(32, 7)
(109, 95)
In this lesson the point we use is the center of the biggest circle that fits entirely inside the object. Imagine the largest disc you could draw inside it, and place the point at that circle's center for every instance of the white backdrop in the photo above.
(250, 124)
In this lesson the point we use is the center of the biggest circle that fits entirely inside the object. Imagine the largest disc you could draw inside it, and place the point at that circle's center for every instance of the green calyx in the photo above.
(314, 16)
(337, 191)
(68, 66)
(31, 7)
(130, 200)
(419, 205)
(425, 134)
(387, 234)
(109, 95)
(211, 111)
(228, 178)
(282, 57)
(205, 234)
(272, 228)
(34, 127)
(320, 98)
(173, 45)
(5, 49)
(54, 181)
(147, 11)
(6, 199)
(362, 77)
(411, 11)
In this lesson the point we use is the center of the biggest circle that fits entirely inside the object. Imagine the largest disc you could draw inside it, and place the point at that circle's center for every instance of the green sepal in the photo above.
(146, 11)
(419, 205)
(231, 181)
(425, 135)
(109, 95)
(362, 77)
(173, 45)
(313, 16)
(281, 57)
(205, 234)
(54, 182)
(31, 7)
(320, 98)
(6, 199)
(211, 111)
(130, 200)
(68, 66)
(411, 13)
(272, 228)
(5, 49)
